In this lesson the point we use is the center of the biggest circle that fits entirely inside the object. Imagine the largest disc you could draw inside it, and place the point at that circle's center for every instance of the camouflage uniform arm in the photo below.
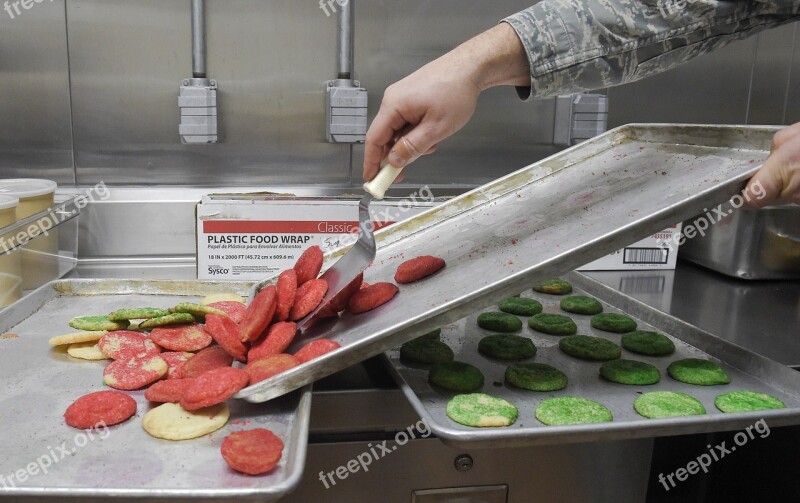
(579, 45)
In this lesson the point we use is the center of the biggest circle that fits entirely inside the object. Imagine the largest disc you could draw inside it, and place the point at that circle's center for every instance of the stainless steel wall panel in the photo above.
(792, 113)
(771, 72)
(270, 59)
(395, 38)
(712, 89)
(35, 130)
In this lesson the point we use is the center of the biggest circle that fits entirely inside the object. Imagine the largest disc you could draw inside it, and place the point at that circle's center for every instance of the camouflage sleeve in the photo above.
(579, 45)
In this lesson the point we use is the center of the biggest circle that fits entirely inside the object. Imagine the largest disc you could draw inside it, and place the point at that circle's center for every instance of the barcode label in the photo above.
(645, 255)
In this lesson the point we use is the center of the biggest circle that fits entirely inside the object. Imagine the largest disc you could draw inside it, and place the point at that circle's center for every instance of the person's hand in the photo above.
(778, 180)
(439, 99)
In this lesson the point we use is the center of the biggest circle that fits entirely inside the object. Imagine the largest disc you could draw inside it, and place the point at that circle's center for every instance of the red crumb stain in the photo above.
(513, 241)
(510, 262)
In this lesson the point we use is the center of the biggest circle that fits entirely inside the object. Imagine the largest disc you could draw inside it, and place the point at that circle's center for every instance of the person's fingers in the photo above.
(778, 180)
(784, 134)
(379, 138)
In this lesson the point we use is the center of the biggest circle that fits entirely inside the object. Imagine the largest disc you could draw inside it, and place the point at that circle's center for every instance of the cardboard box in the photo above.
(657, 252)
(255, 236)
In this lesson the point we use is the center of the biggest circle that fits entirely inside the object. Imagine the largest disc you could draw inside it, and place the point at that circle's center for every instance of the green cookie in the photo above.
(481, 410)
(589, 347)
(521, 306)
(613, 322)
(553, 287)
(630, 372)
(747, 401)
(137, 313)
(572, 410)
(581, 304)
(698, 371)
(647, 343)
(499, 322)
(553, 324)
(97, 322)
(658, 404)
(426, 351)
(197, 310)
(506, 347)
(535, 377)
(456, 376)
(170, 319)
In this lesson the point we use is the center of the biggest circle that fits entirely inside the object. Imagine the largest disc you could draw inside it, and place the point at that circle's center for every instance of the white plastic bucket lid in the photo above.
(7, 202)
(27, 187)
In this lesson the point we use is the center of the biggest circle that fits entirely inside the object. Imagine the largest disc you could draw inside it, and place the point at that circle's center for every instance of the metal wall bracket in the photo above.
(579, 117)
(198, 105)
(346, 111)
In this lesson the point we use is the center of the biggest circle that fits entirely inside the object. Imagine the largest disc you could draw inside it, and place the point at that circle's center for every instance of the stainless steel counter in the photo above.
(763, 316)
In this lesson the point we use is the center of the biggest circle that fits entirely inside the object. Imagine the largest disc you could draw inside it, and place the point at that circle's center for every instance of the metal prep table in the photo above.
(362, 406)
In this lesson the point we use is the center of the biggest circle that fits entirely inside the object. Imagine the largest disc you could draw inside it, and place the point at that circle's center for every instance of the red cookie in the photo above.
(208, 359)
(339, 302)
(259, 314)
(308, 265)
(170, 390)
(315, 349)
(213, 387)
(371, 297)
(253, 451)
(287, 288)
(227, 335)
(417, 268)
(278, 338)
(132, 372)
(101, 408)
(125, 343)
(175, 360)
(266, 367)
(308, 297)
(234, 309)
(181, 338)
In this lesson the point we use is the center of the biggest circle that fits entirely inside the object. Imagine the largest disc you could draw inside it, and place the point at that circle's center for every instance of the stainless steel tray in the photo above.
(39, 383)
(748, 371)
(540, 221)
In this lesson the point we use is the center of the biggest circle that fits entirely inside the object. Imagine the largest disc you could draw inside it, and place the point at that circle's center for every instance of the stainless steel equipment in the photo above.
(749, 243)
(541, 221)
(39, 383)
(197, 98)
(748, 371)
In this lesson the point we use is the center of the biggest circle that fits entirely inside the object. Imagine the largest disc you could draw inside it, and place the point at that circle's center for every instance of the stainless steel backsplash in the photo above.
(89, 91)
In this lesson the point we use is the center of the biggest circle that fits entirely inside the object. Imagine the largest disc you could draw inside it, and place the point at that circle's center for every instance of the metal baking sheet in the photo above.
(541, 221)
(748, 371)
(40, 382)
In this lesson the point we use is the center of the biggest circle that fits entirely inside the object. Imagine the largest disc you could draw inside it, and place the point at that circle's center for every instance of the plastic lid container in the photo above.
(27, 187)
(7, 202)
